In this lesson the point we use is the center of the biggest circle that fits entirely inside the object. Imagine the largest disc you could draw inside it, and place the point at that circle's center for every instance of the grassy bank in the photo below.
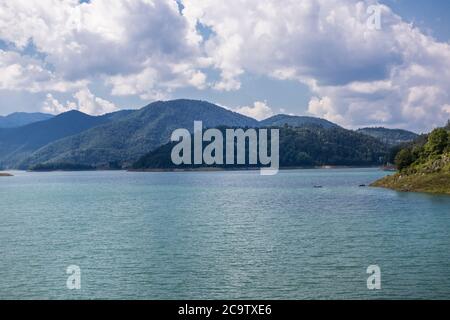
(419, 182)
(423, 166)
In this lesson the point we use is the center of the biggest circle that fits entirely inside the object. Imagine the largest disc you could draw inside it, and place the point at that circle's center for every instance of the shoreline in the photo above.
(217, 169)
(209, 169)
(436, 183)
(5, 174)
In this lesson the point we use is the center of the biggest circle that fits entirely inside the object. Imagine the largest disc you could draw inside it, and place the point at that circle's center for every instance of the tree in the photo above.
(404, 159)
(437, 142)
(394, 151)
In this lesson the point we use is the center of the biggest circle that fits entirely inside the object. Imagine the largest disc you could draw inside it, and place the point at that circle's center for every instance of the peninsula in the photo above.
(424, 166)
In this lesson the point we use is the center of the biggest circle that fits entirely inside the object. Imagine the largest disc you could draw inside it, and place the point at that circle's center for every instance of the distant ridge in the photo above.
(390, 136)
(19, 143)
(297, 121)
(18, 119)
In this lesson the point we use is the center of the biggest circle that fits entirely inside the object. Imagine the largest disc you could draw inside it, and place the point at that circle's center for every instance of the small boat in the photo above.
(362, 185)
(317, 187)
(5, 174)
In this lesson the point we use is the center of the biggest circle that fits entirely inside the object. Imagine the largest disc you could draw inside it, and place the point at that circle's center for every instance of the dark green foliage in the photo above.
(157, 159)
(112, 165)
(61, 167)
(299, 147)
(404, 159)
(424, 165)
(337, 146)
(424, 149)
(438, 141)
(416, 146)
(393, 151)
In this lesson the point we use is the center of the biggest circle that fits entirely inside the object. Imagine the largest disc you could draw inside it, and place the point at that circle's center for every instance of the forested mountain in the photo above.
(390, 136)
(19, 143)
(296, 121)
(299, 147)
(19, 119)
(130, 137)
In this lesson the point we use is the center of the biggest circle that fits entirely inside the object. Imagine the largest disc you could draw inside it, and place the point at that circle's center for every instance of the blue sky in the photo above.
(259, 58)
(431, 16)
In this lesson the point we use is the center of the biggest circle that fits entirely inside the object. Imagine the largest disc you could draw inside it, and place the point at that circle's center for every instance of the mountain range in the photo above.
(119, 139)
(16, 144)
(19, 119)
(133, 135)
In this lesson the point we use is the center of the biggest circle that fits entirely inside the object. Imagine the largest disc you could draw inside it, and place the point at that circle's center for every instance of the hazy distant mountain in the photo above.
(130, 137)
(18, 143)
(297, 121)
(18, 119)
(390, 136)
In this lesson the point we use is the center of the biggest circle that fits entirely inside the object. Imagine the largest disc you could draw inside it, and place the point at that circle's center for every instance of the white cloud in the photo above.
(24, 73)
(115, 40)
(259, 111)
(52, 105)
(324, 107)
(396, 76)
(91, 104)
(358, 76)
(150, 83)
(85, 102)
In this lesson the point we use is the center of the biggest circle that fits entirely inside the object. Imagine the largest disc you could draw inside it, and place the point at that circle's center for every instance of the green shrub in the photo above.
(438, 142)
(404, 159)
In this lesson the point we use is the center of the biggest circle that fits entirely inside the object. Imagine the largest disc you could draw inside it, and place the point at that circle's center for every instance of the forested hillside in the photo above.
(423, 166)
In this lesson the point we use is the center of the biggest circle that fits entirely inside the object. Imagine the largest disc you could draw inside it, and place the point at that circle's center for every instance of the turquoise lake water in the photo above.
(220, 235)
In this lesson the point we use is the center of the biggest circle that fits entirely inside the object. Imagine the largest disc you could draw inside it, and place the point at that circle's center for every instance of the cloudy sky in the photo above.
(325, 58)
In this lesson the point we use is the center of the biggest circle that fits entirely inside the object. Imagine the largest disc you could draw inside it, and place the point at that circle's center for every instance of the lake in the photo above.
(220, 235)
